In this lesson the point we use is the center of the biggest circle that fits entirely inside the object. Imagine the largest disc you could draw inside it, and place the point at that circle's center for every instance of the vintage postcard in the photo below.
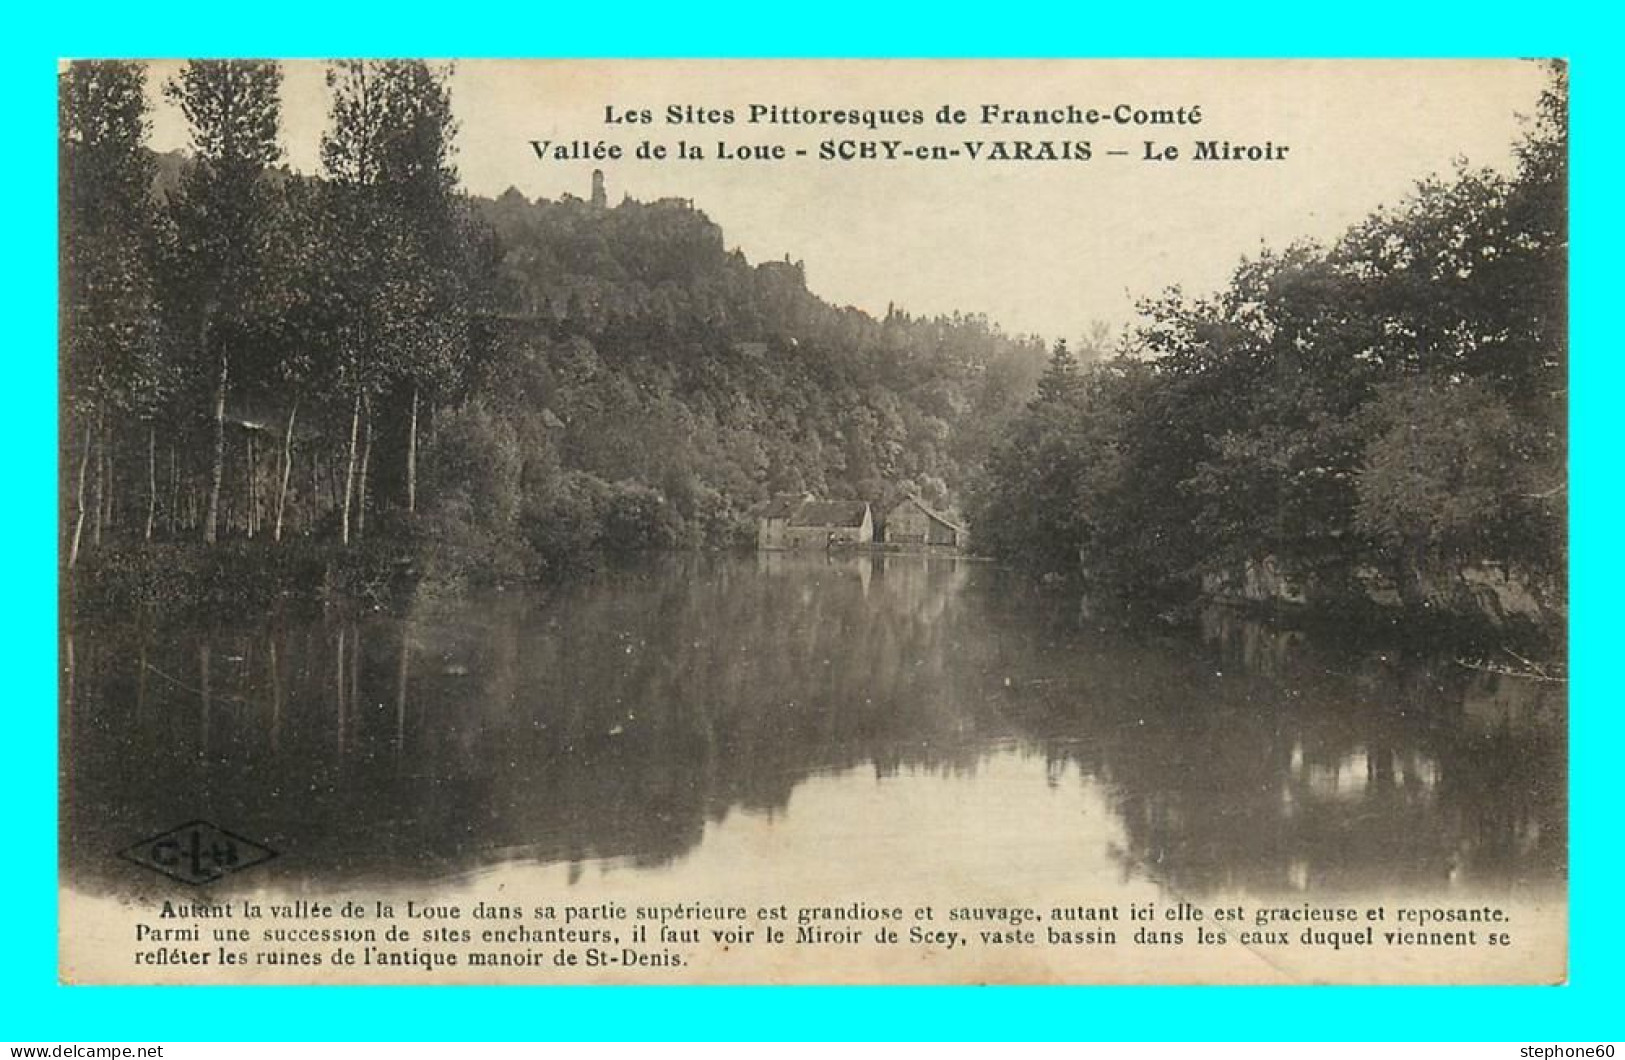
(850, 522)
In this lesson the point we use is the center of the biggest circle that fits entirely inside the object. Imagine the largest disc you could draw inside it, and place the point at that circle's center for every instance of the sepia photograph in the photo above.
(813, 521)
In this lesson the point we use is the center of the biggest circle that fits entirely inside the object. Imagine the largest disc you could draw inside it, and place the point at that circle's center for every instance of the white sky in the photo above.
(1039, 247)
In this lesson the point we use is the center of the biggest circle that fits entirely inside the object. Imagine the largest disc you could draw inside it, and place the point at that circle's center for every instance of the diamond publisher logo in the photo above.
(197, 853)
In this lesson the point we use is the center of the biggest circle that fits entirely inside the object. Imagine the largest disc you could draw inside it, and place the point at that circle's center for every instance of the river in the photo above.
(844, 726)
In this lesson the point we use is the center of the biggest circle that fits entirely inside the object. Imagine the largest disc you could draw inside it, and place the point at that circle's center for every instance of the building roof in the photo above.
(781, 507)
(935, 515)
(830, 513)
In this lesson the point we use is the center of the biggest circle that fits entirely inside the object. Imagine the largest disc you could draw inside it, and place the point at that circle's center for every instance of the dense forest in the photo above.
(369, 362)
(368, 372)
(1380, 416)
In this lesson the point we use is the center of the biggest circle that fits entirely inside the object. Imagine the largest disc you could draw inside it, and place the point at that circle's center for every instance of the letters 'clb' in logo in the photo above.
(197, 852)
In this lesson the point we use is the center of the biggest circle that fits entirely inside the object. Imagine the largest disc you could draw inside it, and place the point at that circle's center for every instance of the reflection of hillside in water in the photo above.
(618, 719)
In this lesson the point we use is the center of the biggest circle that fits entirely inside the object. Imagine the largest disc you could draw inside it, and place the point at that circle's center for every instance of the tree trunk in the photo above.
(101, 481)
(141, 680)
(251, 507)
(211, 518)
(412, 458)
(276, 696)
(79, 497)
(110, 474)
(109, 479)
(203, 669)
(324, 479)
(349, 469)
(341, 690)
(1408, 575)
(287, 469)
(355, 672)
(68, 682)
(366, 458)
(152, 478)
(313, 503)
(172, 513)
(400, 692)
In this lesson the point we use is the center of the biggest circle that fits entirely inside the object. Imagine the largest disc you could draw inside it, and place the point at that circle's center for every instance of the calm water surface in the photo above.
(838, 721)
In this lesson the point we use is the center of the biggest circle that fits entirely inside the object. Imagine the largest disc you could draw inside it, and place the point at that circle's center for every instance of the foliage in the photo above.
(577, 379)
(1394, 399)
(1453, 473)
(221, 210)
(112, 351)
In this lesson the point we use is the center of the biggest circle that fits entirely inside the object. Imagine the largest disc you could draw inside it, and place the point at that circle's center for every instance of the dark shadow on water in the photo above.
(618, 718)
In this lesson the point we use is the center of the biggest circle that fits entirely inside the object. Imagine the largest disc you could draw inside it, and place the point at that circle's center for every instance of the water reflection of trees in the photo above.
(1295, 768)
(618, 719)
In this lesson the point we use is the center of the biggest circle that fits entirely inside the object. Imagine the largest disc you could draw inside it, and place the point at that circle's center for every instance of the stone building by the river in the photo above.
(807, 522)
(911, 522)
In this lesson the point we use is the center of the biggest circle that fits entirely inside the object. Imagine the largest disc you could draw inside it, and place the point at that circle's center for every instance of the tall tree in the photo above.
(364, 246)
(421, 181)
(113, 360)
(388, 154)
(1030, 506)
(302, 322)
(233, 107)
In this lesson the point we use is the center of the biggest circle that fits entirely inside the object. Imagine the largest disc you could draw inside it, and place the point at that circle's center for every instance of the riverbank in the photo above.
(233, 577)
(1516, 649)
(1469, 607)
(390, 572)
